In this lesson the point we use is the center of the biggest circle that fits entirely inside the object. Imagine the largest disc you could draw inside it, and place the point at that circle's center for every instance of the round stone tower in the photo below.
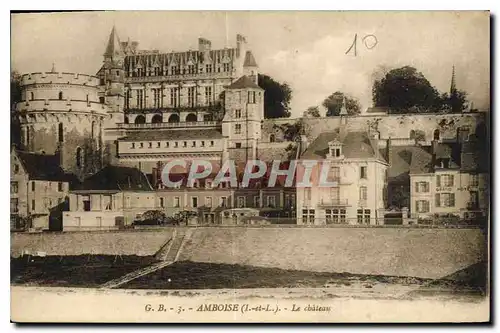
(60, 114)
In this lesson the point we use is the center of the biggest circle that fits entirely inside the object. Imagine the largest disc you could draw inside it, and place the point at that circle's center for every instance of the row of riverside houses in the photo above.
(92, 149)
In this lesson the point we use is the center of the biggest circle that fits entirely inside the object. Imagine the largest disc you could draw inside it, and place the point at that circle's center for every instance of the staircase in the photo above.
(175, 246)
(135, 274)
(167, 255)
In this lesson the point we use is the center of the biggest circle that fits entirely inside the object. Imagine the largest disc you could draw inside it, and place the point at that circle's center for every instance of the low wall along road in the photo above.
(425, 253)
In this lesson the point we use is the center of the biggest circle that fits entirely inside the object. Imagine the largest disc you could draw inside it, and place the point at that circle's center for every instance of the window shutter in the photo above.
(438, 181)
(416, 187)
(452, 199)
(451, 180)
(437, 199)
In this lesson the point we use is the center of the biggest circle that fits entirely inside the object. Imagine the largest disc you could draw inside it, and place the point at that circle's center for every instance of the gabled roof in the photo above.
(249, 60)
(117, 178)
(172, 135)
(354, 145)
(114, 46)
(43, 167)
(243, 83)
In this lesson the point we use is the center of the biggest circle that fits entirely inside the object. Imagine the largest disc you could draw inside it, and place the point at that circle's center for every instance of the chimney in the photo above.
(240, 43)
(389, 151)
(204, 45)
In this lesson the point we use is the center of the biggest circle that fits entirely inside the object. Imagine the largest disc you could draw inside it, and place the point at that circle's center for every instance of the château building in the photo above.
(144, 108)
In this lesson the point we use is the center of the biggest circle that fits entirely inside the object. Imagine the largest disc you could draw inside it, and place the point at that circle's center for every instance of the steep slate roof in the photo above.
(249, 60)
(172, 135)
(242, 83)
(117, 178)
(114, 46)
(44, 167)
(355, 145)
(406, 160)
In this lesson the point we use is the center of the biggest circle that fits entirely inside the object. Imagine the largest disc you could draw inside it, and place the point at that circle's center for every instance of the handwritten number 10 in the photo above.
(370, 42)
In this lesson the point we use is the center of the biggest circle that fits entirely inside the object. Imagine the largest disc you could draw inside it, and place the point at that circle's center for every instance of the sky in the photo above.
(307, 50)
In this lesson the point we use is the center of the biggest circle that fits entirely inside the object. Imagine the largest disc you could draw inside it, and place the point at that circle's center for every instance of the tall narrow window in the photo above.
(127, 98)
(191, 96)
(140, 98)
(60, 134)
(32, 96)
(208, 95)
(362, 172)
(60, 95)
(251, 97)
(79, 157)
(87, 99)
(173, 97)
(363, 193)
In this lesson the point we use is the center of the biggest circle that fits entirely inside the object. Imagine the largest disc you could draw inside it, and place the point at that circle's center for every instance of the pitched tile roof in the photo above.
(172, 135)
(355, 145)
(242, 83)
(44, 167)
(118, 178)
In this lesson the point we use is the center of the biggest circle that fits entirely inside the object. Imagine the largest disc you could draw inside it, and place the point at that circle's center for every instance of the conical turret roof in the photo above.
(114, 46)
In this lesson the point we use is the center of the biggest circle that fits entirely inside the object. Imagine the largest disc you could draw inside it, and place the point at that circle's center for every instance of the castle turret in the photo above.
(60, 114)
(112, 76)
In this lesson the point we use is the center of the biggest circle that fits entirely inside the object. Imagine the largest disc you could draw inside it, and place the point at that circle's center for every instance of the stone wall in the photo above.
(141, 243)
(425, 253)
(394, 126)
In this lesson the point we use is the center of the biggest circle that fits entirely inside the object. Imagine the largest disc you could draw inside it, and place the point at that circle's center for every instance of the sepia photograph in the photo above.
(250, 167)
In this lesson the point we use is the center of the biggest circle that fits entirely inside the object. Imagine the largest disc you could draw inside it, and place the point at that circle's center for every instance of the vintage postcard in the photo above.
(186, 167)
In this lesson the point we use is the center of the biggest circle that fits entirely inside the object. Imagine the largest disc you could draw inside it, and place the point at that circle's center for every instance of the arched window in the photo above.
(191, 118)
(436, 134)
(140, 119)
(412, 134)
(60, 134)
(126, 120)
(60, 95)
(32, 96)
(272, 138)
(157, 118)
(79, 157)
(174, 118)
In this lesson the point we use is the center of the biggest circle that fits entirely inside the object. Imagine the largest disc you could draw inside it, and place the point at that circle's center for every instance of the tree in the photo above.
(15, 97)
(405, 88)
(277, 97)
(15, 88)
(333, 104)
(455, 102)
(312, 112)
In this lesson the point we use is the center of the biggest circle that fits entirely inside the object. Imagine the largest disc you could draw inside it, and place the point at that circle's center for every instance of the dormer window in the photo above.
(335, 149)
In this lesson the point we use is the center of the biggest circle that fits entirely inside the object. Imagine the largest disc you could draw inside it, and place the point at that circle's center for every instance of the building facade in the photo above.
(357, 173)
(38, 191)
(145, 108)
